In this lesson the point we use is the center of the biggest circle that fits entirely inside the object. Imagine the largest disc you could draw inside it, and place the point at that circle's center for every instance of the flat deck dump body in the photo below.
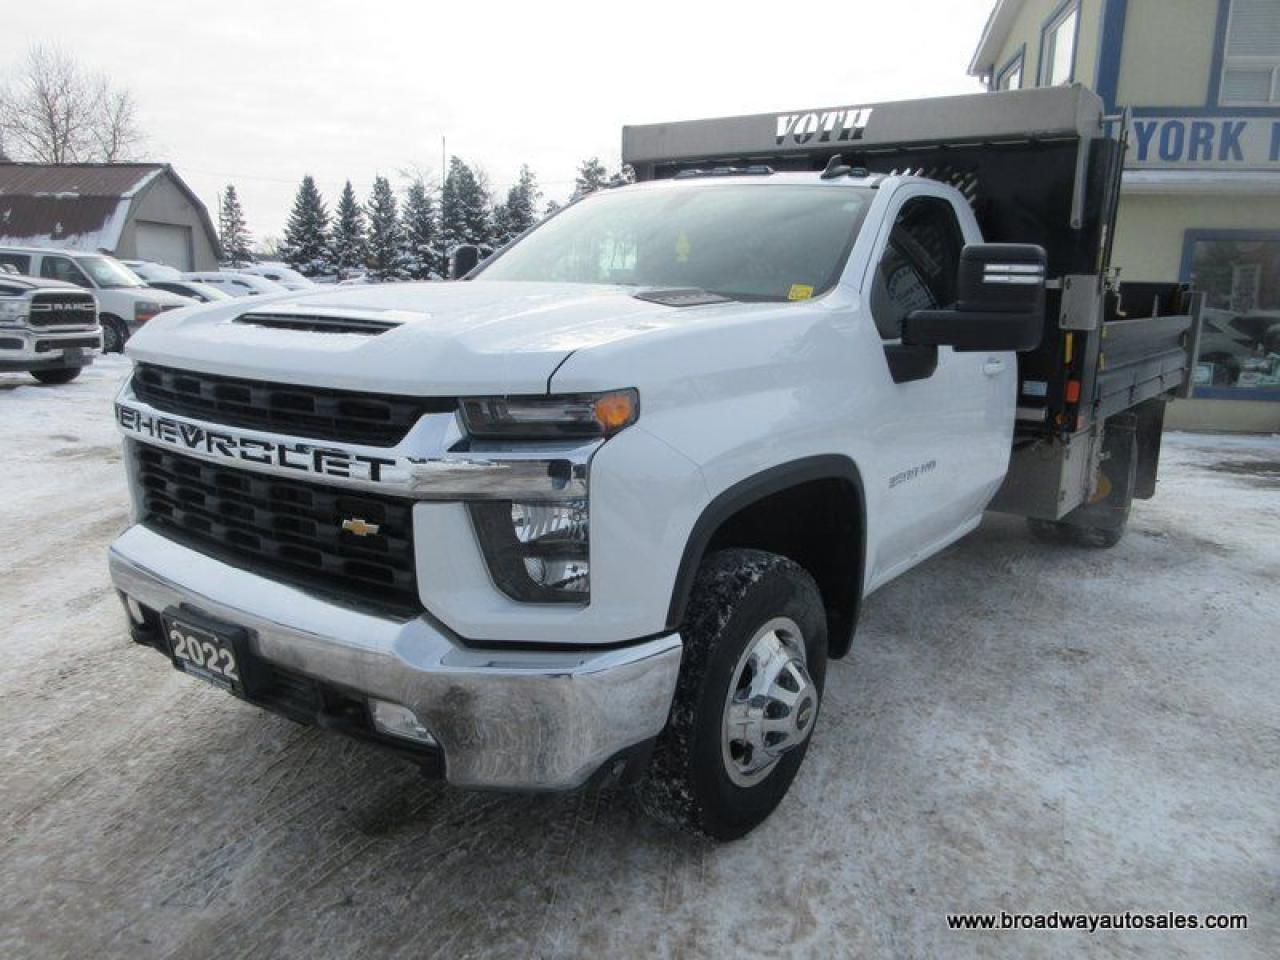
(1038, 166)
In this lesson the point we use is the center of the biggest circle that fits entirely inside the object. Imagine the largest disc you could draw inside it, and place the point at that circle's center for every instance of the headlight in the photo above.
(536, 552)
(13, 311)
(583, 415)
(144, 310)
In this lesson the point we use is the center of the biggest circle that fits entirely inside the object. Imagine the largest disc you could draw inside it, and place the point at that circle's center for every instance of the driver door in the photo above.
(935, 420)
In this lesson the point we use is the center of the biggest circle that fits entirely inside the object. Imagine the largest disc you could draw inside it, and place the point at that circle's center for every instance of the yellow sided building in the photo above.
(1198, 83)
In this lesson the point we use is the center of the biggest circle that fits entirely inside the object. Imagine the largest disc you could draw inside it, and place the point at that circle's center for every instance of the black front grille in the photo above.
(320, 413)
(284, 528)
(62, 310)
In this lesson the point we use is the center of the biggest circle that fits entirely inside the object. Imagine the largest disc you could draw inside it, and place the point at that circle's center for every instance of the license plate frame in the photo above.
(222, 656)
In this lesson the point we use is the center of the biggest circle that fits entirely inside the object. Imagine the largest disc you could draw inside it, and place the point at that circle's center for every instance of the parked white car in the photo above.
(280, 273)
(124, 300)
(237, 284)
(202, 292)
(151, 272)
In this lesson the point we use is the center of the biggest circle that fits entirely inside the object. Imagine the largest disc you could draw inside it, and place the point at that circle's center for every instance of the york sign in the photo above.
(1224, 142)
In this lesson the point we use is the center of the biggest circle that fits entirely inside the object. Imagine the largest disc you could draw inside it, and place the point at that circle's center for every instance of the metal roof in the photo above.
(112, 180)
(81, 205)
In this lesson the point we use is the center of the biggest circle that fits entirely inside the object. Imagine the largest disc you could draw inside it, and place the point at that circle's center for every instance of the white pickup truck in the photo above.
(47, 328)
(603, 511)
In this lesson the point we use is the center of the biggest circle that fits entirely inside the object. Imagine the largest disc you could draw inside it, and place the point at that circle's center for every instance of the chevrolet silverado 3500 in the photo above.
(602, 512)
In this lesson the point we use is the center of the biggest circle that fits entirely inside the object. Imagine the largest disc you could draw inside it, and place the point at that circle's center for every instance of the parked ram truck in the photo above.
(603, 512)
(48, 329)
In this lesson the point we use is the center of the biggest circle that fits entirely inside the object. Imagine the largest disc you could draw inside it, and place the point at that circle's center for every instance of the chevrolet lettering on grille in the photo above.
(303, 457)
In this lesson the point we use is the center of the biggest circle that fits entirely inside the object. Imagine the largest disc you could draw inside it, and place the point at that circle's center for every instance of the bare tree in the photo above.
(116, 133)
(54, 111)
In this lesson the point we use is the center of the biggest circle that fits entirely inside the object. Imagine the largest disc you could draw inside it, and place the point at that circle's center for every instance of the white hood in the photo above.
(450, 338)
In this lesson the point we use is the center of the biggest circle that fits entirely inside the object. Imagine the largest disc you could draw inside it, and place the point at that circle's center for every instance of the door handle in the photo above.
(992, 367)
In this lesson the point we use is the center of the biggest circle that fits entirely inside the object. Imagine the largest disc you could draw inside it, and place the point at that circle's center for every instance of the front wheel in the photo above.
(114, 335)
(750, 685)
(57, 375)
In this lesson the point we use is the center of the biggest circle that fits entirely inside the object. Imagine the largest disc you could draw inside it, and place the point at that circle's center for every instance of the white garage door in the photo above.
(164, 243)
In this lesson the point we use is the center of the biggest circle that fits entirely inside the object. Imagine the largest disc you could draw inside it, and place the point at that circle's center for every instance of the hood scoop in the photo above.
(313, 323)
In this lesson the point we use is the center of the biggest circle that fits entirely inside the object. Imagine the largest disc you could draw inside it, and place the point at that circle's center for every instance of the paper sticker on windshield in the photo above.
(682, 247)
(800, 291)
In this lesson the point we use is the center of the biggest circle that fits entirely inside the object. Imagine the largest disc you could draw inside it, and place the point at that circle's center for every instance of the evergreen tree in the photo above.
(522, 203)
(233, 233)
(386, 242)
(500, 223)
(423, 257)
(306, 236)
(350, 246)
(622, 176)
(464, 209)
(592, 176)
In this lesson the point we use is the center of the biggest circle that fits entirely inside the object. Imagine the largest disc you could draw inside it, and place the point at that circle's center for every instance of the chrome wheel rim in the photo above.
(771, 704)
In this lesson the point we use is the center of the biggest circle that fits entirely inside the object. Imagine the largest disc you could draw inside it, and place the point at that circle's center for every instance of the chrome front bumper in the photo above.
(25, 347)
(513, 719)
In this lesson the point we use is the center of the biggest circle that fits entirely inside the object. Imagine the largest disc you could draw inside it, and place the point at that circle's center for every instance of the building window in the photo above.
(1239, 273)
(1058, 46)
(1251, 53)
(1009, 77)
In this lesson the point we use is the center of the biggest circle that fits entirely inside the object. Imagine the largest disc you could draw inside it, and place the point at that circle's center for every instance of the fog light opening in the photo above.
(398, 721)
(135, 610)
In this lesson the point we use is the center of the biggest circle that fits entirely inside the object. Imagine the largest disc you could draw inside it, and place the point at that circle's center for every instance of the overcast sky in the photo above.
(257, 94)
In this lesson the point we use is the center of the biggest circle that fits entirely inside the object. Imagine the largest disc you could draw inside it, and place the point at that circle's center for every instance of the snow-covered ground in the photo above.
(1019, 727)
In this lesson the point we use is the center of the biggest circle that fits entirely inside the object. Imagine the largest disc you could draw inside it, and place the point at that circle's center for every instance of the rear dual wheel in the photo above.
(1102, 521)
(747, 698)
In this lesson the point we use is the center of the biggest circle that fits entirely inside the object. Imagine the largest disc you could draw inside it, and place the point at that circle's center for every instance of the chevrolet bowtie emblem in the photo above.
(360, 528)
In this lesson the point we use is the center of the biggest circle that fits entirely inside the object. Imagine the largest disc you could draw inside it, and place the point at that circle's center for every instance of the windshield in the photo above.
(745, 241)
(108, 273)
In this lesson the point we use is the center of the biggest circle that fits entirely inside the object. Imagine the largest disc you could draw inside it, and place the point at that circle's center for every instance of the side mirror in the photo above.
(999, 303)
(465, 258)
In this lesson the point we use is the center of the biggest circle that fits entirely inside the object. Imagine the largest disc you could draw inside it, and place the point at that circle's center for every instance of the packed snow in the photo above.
(1019, 727)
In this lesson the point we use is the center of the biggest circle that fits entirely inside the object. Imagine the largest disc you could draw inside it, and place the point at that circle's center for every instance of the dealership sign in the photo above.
(1221, 142)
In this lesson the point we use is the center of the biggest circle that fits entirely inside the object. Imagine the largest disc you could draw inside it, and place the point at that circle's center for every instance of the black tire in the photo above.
(1097, 538)
(1047, 531)
(736, 594)
(114, 335)
(57, 374)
